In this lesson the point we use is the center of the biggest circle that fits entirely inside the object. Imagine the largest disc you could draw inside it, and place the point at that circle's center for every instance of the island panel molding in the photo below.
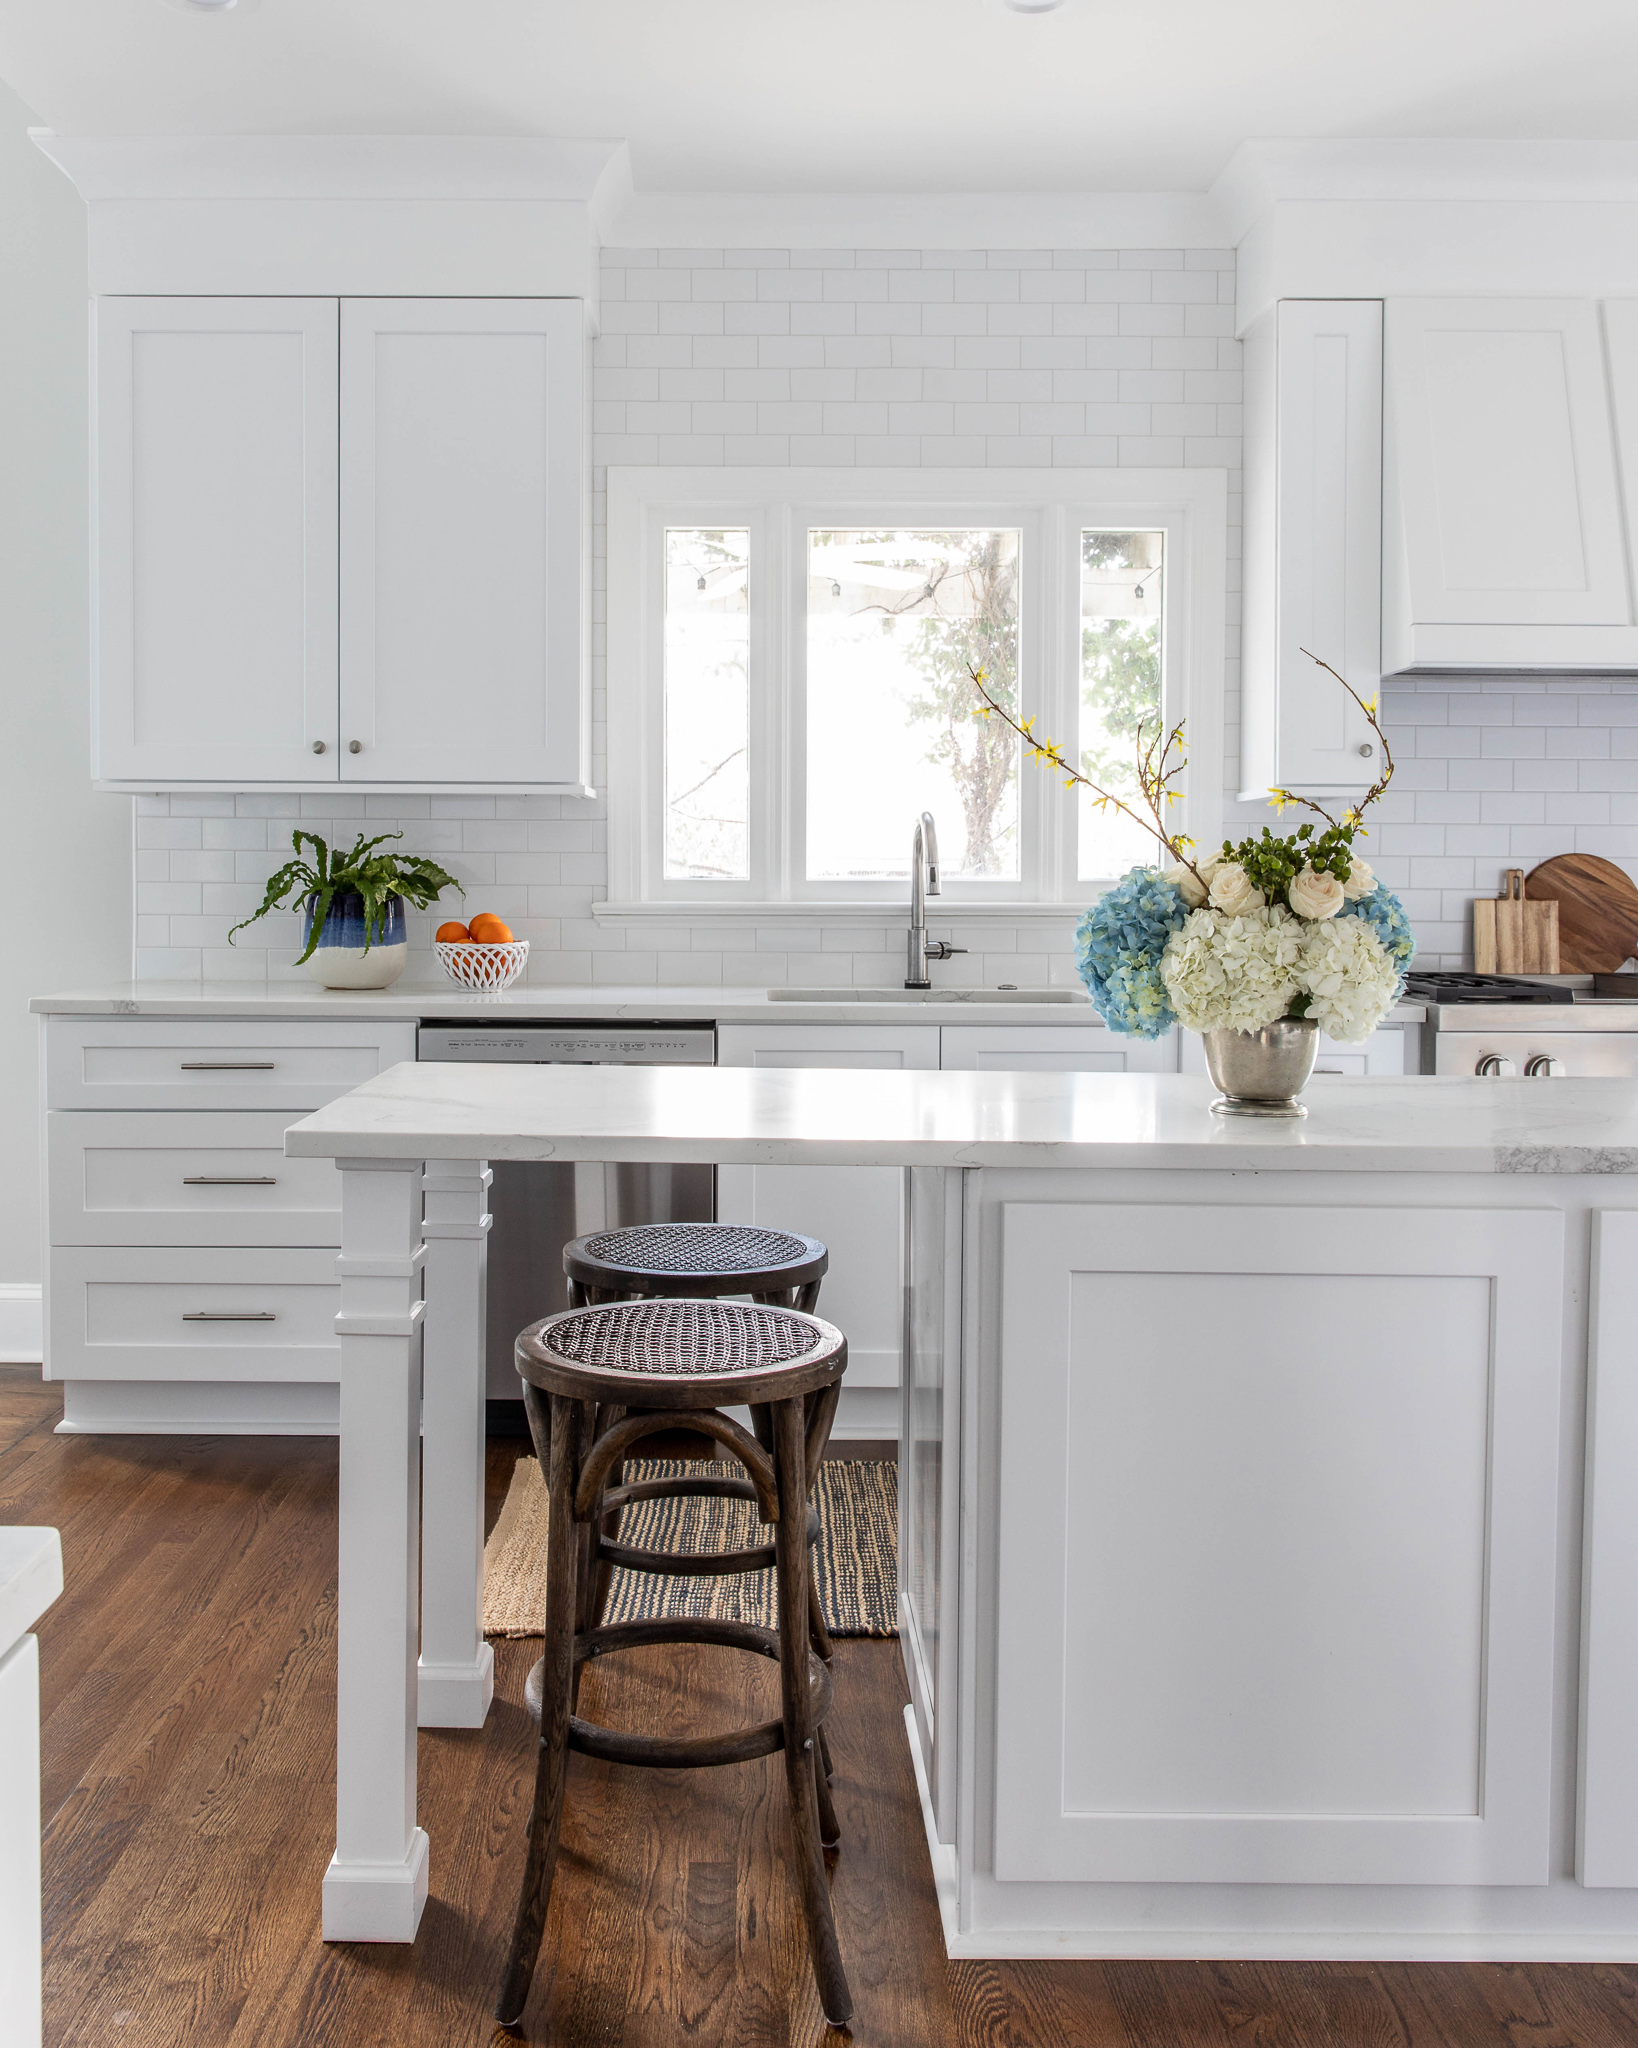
(1276, 1605)
(1607, 1782)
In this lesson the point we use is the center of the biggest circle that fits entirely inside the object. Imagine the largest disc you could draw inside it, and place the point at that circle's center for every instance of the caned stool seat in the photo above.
(706, 1259)
(597, 1380)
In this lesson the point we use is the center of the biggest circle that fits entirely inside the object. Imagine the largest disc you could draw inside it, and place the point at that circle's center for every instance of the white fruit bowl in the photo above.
(484, 969)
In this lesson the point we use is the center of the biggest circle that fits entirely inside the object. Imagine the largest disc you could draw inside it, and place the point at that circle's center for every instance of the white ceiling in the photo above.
(742, 96)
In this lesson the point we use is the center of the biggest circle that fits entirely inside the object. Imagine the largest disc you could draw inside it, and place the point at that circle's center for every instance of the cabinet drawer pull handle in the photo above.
(229, 1180)
(227, 1066)
(212, 1315)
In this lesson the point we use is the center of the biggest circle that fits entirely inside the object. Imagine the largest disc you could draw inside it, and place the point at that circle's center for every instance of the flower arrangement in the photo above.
(1293, 926)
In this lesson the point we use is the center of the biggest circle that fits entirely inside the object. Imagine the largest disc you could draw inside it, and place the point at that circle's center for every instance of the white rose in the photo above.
(1184, 879)
(1360, 881)
(1315, 895)
(1233, 892)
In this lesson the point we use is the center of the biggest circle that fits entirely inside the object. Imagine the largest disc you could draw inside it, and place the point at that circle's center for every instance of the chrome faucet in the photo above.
(924, 883)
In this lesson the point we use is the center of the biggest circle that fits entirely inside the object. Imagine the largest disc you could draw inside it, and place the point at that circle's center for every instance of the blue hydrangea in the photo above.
(1385, 914)
(1118, 945)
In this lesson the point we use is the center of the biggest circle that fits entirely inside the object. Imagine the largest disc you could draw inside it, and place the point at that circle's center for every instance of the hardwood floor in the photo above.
(188, 1695)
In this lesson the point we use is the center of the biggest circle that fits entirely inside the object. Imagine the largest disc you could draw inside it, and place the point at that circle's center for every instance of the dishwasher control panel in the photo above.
(608, 1045)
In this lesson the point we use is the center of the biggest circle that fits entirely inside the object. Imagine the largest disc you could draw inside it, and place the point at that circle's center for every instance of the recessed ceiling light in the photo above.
(212, 6)
(1026, 6)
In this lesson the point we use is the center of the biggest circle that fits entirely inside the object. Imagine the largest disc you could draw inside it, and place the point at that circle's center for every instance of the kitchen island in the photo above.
(1269, 1552)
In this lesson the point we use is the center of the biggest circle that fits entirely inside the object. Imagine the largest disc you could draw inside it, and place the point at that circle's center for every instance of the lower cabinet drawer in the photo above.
(192, 1315)
(180, 1177)
(223, 1063)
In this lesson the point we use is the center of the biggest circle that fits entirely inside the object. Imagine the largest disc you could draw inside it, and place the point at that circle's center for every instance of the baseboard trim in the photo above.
(22, 1323)
(941, 1855)
(200, 1408)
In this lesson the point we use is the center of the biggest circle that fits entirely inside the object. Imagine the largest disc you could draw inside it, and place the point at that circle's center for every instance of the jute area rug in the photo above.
(856, 1558)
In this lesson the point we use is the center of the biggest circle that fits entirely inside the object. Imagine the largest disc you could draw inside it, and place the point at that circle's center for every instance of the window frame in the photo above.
(777, 507)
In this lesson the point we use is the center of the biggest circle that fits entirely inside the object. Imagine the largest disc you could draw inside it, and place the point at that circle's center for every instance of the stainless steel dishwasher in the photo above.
(538, 1206)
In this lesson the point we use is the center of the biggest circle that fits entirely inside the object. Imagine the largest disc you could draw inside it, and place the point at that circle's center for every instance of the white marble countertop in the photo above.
(624, 1004)
(578, 1003)
(780, 1116)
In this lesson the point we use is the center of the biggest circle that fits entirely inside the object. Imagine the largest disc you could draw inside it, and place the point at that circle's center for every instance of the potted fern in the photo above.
(353, 929)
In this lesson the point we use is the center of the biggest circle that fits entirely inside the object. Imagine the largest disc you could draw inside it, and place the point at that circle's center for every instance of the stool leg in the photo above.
(830, 1828)
(607, 1526)
(546, 1819)
(800, 1777)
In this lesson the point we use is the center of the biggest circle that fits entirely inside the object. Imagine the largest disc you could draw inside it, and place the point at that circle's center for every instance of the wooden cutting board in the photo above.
(1597, 911)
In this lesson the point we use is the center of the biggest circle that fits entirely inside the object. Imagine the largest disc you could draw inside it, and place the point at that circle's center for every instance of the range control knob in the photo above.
(1543, 1066)
(1495, 1065)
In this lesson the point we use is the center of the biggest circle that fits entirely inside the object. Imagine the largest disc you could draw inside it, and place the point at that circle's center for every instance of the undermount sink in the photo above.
(925, 995)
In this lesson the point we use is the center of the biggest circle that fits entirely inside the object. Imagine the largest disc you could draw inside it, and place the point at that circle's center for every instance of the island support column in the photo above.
(376, 1885)
(457, 1669)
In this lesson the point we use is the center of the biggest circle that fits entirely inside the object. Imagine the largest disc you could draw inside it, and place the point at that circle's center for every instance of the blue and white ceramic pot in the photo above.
(339, 959)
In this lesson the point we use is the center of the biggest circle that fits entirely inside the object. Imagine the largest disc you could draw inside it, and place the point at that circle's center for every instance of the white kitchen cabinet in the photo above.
(461, 518)
(1313, 511)
(1504, 544)
(340, 542)
(1276, 1610)
(1054, 1049)
(190, 1280)
(215, 605)
(858, 1211)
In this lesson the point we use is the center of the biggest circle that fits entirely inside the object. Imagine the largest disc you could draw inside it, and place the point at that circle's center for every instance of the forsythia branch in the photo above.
(1282, 799)
(1160, 761)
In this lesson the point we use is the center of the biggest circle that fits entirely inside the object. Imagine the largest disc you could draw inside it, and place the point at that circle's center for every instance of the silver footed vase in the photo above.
(1261, 1073)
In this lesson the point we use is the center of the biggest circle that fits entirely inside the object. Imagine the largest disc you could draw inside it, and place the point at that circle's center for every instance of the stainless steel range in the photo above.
(1501, 1025)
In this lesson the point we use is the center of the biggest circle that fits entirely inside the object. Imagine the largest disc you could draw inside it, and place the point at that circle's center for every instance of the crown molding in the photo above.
(590, 173)
(1262, 175)
(916, 220)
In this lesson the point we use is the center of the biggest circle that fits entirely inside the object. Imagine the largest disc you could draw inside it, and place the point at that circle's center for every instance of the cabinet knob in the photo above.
(318, 746)
(355, 746)
(1495, 1066)
(1366, 750)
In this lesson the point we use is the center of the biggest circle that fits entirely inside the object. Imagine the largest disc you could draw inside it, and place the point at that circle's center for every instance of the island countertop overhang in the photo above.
(731, 1116)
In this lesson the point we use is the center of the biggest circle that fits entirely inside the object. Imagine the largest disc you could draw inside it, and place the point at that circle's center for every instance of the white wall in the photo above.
(64, 853)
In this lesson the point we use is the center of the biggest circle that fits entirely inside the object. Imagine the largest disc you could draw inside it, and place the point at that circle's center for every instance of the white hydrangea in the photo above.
(1233, 973)
(1349, 976)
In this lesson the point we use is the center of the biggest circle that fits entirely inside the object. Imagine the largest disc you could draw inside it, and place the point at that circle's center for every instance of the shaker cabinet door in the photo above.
(215, 606)
(1504, 538)
(1313, 545)
(461, 540)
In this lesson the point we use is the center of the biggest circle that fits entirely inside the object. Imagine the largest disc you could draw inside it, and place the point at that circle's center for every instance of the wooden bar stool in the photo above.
(596, 1381)
(777, 1267)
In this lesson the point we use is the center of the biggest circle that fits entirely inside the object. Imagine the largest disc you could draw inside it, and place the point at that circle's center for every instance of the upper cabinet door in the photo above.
(1313, 541)
(215, 606)
(1504, 533)
(463, 602)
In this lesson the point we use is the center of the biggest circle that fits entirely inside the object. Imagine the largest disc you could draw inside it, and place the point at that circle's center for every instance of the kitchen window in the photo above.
(789, 685)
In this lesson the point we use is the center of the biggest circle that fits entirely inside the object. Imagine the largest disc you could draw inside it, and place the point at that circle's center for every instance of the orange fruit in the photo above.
(476, 924)
(452, 934)
(489, 931)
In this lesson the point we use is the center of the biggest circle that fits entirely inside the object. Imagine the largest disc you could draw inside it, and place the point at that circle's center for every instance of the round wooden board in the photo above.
(1597, 911)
